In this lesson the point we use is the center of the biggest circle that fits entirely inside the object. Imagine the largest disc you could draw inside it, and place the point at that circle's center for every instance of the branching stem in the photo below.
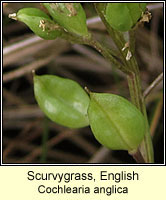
(134, 82)
(129, 66)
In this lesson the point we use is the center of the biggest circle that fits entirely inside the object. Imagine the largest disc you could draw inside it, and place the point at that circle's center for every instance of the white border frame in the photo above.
(69, 163)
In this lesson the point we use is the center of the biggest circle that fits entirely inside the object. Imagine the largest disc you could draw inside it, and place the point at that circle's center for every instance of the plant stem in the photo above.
(146, 148)
(134, 82)
(115, 35)
(137, 98)
(107, 54)
(127, 65)
(137, 156)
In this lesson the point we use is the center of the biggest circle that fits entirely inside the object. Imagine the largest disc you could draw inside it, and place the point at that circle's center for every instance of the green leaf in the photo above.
(124, 16)
(115, 122)
(62, 100)
(70, 16)
(39, 22)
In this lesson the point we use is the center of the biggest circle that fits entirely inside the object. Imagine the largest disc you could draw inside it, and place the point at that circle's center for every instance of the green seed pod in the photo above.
(70, 16)
(124, 16)
(115, 122)
(39, 22)
(62, 100)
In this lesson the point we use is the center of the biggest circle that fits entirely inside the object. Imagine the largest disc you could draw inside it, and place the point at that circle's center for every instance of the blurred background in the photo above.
(28, 136)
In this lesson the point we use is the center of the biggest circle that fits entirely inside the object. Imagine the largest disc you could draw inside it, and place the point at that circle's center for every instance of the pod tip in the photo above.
(33, 72)
(87, 90)
(13, 16)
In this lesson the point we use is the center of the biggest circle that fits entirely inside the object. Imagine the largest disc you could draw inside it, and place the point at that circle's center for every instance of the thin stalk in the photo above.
(146, 147)
(43, 157)
(134, 82)
(137, 156)
(153, 85)
(116, 36)
(108, 54)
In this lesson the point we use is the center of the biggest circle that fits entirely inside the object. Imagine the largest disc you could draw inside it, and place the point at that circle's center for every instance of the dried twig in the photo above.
(27, 69)
(153, 85)
(156, 116)
(100, 155)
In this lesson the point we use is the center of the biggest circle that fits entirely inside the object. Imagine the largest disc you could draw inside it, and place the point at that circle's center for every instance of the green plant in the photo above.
(112, 119)
(62, 100)
(115, 122)
(42, 24)
(123, 17)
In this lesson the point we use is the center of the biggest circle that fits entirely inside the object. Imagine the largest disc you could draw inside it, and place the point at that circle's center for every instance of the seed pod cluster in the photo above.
(115, 122)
